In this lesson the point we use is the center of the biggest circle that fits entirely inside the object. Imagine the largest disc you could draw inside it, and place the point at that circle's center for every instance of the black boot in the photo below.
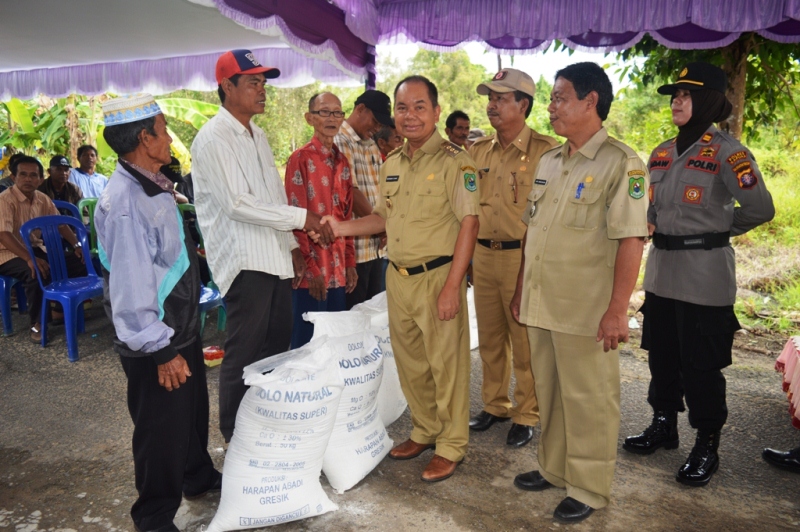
(790, 460)
(703, 461)
(662, 432)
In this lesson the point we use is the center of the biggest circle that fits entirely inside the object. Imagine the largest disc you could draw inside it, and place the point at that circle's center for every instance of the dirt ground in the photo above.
(66, 465)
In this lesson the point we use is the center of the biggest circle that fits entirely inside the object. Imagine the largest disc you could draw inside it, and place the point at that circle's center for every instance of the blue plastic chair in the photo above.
(67, 206)
(70, 292)
(209, 295)
(6, 284)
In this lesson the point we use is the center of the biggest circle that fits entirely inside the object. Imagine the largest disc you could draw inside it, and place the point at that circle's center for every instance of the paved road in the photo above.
(65, 460)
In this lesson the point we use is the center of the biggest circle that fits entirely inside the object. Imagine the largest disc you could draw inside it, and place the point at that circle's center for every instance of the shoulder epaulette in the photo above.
(394, 151)
(451, 149)
(630, 152)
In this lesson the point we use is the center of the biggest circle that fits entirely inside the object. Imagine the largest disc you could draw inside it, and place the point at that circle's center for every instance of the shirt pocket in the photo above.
(694, 189)
(585, 212)
(431, 198)
(533, 197)
(389, 193)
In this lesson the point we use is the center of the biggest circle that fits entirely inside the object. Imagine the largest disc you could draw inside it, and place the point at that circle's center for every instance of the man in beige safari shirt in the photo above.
(506, 163)
(587, 219)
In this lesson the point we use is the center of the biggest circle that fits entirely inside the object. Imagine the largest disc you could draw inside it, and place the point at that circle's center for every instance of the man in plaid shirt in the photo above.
(372, 111)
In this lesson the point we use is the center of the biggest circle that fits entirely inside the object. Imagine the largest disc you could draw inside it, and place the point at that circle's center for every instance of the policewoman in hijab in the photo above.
(696, 179)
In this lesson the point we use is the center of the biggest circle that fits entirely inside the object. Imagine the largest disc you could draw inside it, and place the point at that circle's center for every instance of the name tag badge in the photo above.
(392, 178)
(540, 182)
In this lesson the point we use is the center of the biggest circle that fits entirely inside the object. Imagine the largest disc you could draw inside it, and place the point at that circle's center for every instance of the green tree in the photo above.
(762, 76)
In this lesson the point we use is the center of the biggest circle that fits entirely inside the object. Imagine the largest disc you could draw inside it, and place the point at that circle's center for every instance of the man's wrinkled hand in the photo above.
(613, 330)
(449, 303)
(317, 228)
(515, 304)
(316, 288)
(351, 281)
(299, 265)
(173, 373)
(79, 254)
(44, 267)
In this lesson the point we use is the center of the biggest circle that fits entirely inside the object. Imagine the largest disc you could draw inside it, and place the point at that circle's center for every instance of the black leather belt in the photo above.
(428, 266)
(500, 244)
(705, 241)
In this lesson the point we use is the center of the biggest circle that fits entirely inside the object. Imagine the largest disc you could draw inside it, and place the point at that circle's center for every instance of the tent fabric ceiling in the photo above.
(84, 46)
(519, 26)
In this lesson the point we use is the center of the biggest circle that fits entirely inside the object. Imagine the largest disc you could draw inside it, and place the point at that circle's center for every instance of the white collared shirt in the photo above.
(244, 216)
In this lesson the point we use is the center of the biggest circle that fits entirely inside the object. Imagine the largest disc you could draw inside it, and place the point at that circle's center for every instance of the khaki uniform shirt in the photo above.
(505, 178)
(578, 208)
(424, 198)
(15, 210)
(693, 193)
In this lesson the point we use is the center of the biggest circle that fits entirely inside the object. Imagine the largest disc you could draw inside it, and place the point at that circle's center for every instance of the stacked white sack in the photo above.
(272, 466)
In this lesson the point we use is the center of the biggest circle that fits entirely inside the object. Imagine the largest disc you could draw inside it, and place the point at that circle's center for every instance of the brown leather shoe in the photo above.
(439, 468)
(409, 449)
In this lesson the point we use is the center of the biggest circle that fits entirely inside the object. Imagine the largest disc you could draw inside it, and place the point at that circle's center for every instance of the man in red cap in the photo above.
(247, 225)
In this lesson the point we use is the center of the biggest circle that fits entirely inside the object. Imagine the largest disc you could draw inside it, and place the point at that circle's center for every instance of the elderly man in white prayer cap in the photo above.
(152, 283)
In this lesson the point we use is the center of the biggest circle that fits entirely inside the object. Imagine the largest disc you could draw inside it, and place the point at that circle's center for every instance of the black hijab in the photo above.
(708, 106)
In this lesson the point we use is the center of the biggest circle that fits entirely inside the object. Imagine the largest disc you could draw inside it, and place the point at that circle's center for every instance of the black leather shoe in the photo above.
(662, 432)
(790, 460)
(571, 511)
(215, 487)
(484, 420)
(519, 435)
(531, 481)
(703, 461)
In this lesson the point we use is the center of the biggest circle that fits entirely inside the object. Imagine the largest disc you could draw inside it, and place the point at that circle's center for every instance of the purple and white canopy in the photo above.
(89, 46)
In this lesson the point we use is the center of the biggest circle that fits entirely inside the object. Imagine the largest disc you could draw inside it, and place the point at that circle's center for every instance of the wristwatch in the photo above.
(78, 244)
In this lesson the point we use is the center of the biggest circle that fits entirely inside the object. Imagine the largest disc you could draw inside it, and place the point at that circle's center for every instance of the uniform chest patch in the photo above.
(704, 165)
(745, 176)
(660, 163)
(706, 138)
(651, 193)
(708, 153)
(540, 182)
(692, 194)
(392, 178)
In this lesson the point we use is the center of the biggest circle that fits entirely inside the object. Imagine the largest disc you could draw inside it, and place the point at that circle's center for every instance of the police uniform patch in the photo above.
(500, 75)
(745, 176)
(708, 152)
(706, 138)
(692, 194)
(636, 185)
(736, 157)
(704, 165)
(662, 153)
(470, 183)
(659, 163)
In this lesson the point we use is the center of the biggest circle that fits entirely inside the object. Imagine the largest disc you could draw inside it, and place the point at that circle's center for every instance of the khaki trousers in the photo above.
(502, 340)
(578, 389)
(432, 359)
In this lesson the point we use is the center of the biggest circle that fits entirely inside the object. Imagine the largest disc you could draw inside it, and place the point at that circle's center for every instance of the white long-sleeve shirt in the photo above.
(244, 216)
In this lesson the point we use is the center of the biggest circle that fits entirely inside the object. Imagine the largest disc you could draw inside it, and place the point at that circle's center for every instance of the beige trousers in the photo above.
(432, 359)
(578, 389)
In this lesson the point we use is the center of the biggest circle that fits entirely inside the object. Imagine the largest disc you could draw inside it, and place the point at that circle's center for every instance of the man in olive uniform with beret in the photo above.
(429, 209)
(506, 163)
(587, 219)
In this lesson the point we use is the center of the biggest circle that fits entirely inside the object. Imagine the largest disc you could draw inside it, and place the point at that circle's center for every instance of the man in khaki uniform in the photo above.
(429, 210)
(506, 163)
(587, 219)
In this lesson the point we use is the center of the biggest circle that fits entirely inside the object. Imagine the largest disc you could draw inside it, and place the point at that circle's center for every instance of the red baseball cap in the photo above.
(242, 62)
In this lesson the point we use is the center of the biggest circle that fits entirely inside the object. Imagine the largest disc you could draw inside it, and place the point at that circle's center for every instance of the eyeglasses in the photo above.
(324, 113)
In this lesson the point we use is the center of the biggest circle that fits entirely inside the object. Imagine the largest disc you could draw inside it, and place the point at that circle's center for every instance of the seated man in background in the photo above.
(143, 248)
(57, 186)
(18, 204)
(8, 181)
(318, 179)
(388, 139)
(457, 128)
(90, 182)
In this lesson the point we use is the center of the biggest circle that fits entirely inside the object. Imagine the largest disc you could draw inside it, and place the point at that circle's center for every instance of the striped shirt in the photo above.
(365, 160)
(242, 209)
(15, 210)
